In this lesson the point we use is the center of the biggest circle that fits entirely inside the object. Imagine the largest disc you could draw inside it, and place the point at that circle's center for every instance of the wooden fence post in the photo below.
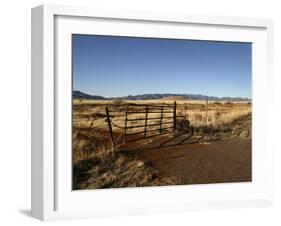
(109, 126)
(185, 110)
(145, 123)
(175, 115)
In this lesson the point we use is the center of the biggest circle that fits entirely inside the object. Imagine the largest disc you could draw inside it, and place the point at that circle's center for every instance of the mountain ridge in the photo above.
(81, 95)
(153, 96)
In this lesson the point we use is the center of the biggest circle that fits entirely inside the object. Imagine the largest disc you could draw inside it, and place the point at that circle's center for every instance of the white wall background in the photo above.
(15, 111)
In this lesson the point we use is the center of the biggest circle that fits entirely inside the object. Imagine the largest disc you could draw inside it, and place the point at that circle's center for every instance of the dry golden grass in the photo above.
(96, 164)
(90, 113)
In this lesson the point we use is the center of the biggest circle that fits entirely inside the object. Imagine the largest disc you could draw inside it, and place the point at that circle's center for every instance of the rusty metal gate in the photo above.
(146, 120)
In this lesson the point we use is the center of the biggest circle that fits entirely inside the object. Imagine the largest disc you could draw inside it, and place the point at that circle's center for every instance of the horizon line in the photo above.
(178, 94)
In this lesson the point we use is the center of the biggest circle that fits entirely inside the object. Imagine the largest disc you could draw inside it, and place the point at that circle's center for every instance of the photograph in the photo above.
(150, 111)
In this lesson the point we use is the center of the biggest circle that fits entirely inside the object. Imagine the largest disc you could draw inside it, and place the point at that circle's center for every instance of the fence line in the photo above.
(165, 111)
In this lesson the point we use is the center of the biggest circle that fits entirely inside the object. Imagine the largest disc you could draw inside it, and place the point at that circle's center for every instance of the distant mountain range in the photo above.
(81, 95)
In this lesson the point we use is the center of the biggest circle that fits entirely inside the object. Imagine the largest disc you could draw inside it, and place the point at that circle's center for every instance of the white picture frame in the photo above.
(52, 197)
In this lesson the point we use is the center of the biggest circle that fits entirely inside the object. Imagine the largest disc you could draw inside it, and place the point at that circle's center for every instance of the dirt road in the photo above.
(192, 162)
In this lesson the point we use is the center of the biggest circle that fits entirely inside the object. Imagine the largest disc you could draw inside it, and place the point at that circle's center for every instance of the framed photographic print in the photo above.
(137, 112)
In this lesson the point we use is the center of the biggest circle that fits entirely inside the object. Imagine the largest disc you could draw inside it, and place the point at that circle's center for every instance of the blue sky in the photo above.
(113, 66)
